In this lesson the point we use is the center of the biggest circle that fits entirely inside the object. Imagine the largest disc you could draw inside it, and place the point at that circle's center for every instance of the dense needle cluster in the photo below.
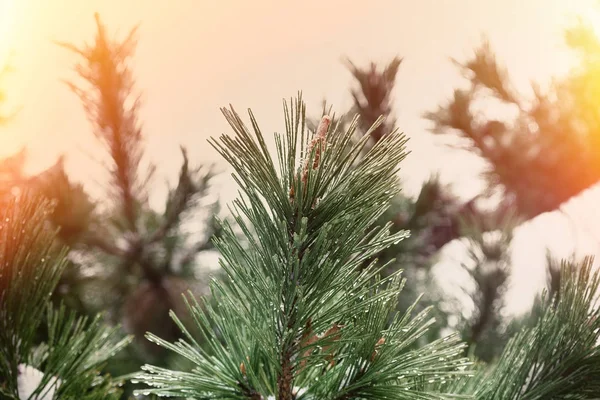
(67, 362)
(296, 317)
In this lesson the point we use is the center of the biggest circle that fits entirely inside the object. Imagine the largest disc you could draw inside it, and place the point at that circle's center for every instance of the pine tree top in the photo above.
(299, 315)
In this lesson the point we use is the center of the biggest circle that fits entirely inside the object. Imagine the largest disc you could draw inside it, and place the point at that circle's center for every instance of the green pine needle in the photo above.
(30, 266)
(300, 273)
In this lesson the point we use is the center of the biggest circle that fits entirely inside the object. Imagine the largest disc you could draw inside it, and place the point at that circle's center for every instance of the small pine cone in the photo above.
(320, 139)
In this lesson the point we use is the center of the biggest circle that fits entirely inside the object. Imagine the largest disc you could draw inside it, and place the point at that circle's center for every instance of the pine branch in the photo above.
(67, 365)
(25, 283)
(374, 99)
(540, 158)
(137, 244)
(490, 255)
(435, 217)
(556, 358)
(191, 185)
(112, 108)
(298, 275)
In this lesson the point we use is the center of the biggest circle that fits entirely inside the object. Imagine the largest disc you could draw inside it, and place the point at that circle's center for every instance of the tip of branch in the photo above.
(349, 64)
(323, 126)
(183, 150)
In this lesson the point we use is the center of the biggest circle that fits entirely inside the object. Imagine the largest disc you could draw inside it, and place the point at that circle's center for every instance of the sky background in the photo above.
(195, 56)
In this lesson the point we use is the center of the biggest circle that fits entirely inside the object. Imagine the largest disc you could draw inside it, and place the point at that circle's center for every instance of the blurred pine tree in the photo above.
(125, 258)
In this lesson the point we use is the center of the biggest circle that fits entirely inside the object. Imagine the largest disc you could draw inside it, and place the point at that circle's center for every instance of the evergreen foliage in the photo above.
(558, 357)
(545, 154)
(540, 154)
(126, 258)
(437, 217)
(312, 304)
(297, 318)
(296, 314)
(71, 358)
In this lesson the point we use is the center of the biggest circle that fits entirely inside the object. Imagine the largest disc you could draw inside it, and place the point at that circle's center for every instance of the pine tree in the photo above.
(125, 257)
(67, 364)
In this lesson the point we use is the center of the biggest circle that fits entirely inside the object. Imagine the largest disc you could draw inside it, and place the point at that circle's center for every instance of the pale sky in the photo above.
(195, 56)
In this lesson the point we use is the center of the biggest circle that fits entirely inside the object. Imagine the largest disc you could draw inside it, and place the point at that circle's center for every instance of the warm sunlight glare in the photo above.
(6, 24)
(590, 15)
